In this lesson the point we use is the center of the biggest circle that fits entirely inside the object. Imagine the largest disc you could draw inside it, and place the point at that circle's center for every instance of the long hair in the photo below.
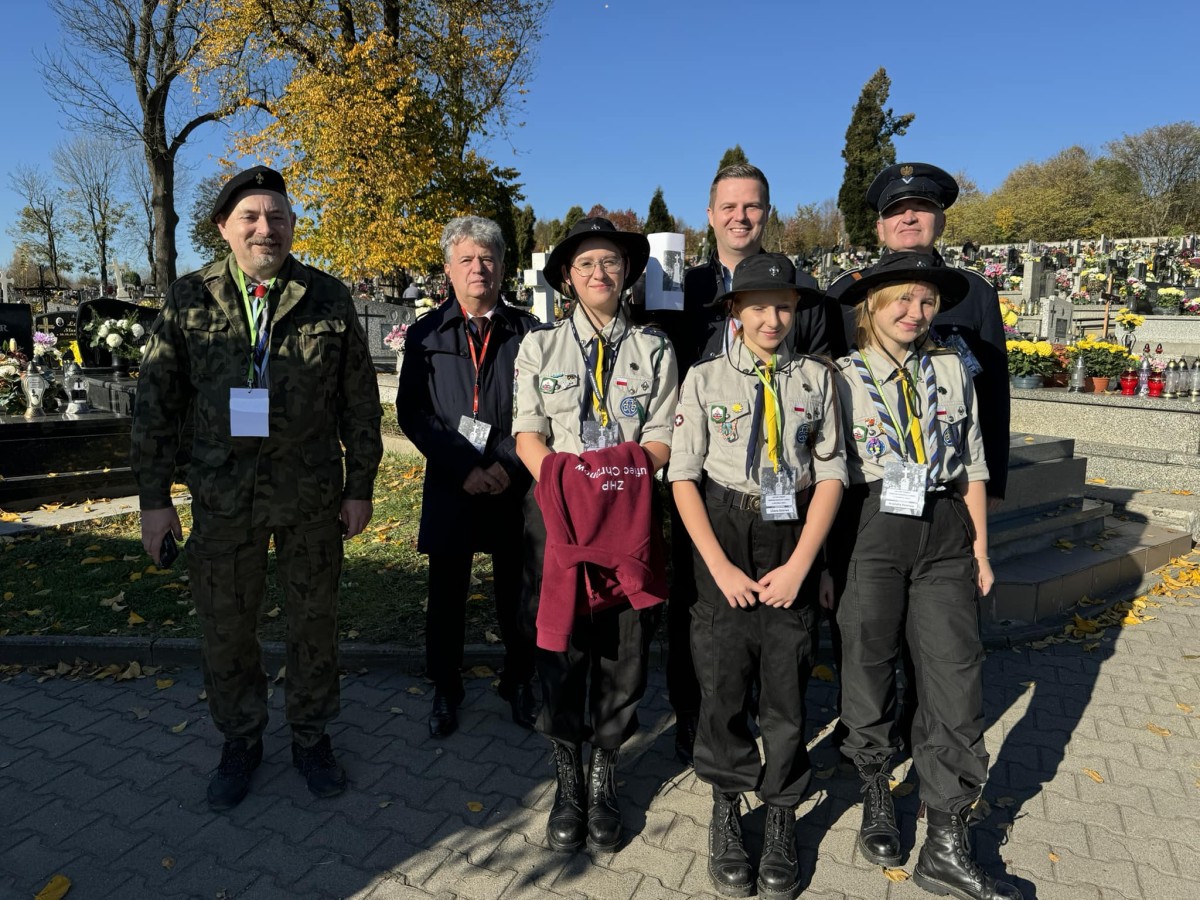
(877, 299)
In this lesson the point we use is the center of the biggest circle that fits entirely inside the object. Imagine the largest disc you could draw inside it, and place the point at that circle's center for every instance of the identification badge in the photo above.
(903, 488)
(599, 437)
(778, 495)
(474, 431)
(956, 343)
(249, 412)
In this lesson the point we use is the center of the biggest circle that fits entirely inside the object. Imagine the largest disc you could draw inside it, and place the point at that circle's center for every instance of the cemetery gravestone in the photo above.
(16, 324)
(1056, 319)
(5, 287)
(378, 319)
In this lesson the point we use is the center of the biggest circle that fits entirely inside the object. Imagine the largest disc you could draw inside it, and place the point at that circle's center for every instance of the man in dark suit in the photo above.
(455, 403)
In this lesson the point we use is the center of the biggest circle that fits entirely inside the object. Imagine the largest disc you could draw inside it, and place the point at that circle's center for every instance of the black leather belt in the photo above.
(737, 500)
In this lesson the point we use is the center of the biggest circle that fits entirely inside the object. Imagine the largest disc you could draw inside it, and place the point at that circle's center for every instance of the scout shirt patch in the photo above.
(802, 432)
(875, 446)
(678, 420)
(552, 384)
(630, 408)
(725, 415)
(859, 432)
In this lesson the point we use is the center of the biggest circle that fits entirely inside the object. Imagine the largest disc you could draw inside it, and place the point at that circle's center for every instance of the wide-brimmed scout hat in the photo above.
(635, 247)
(912, 179)
(259, 178)
(766, 272)
(952, 284)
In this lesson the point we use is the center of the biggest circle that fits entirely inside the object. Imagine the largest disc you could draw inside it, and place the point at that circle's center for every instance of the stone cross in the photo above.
(543, 294)
(122, 293)
(5, 286)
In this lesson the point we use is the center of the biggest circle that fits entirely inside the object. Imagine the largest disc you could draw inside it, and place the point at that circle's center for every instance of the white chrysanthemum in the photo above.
(8, 371)
(137, 331)
(114, 341)
(102, 331)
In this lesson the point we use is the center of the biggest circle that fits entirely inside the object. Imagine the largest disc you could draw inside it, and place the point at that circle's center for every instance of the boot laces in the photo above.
(878, 793)
(318, 756)
(730, 824)
(603, 777)
(568, 773)
(962, 849)
(777, 834)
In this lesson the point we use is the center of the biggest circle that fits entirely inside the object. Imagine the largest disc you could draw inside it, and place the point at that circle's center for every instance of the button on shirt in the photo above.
(867, 446)
(715, 415)
(551, 382)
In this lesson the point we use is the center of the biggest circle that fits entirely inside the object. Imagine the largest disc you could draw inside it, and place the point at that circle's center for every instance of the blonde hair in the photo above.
(881, 297)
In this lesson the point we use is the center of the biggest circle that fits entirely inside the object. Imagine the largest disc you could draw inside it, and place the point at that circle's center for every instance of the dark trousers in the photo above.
(683, 690)
(227, 569)
(913, 579)
(734, 647)
(446, 613)
(591, 691)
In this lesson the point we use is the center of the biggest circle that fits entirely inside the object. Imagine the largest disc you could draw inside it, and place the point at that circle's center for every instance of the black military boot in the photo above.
(325, 776)
(603, 815)
(229, 784)
(878, 838)
(728, 863)
(779, 868)
(947, 867)
(567, 828)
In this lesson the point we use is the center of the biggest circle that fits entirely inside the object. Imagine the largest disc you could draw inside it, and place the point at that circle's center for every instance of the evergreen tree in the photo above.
(658, 218)
(524, 248)
(868, 151)
(574, 214)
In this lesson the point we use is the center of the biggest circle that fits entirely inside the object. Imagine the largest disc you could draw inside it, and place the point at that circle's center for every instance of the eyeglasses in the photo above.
(610, 264)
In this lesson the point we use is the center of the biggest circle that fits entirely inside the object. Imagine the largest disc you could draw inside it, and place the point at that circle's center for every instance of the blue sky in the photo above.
(629, 95)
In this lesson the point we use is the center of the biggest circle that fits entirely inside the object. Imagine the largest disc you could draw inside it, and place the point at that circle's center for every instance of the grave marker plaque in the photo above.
(16, 324)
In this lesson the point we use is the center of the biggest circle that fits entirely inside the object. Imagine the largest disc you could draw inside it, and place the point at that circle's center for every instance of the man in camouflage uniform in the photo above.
(260, 319)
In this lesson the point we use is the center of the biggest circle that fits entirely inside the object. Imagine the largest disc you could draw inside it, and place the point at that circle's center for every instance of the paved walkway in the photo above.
(104, 783)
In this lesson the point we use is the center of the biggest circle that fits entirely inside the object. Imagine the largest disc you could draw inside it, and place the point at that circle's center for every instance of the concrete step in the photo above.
(1037, 592)
(1073, 520)
(1037, 486)
(1142, 468)
(1033, 448)
(1165, 508)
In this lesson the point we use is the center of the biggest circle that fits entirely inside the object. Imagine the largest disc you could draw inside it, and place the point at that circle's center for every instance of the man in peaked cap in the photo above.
(268, 356)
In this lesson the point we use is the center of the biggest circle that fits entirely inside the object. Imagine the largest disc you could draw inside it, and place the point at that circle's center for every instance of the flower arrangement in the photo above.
(119, 336)
(1102, 359)
(1128, 320)
(12, 363)
(1171, 298)
(1062, 281)
(45, 349)
(1031, 358)
(1133, 288)
(395, 338)
(993, 271)
(1009, 313)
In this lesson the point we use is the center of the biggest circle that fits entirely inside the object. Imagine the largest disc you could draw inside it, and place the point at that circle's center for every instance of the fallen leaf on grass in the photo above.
(271, 614)
(8, 595)
(139, 712)
(477, 597)
(95, 560)
(352, 634)
(896, 875)
(822, 673)
(178, 729)
(281, 674)
(475, 806)
(491, 637)
(135, 619)
(168, 862)
(56, 888)
(1094, 775)
(1053, 856)
(1158, 729)
(114, 602)
(135, 576)
(163, 683)
(95, 548)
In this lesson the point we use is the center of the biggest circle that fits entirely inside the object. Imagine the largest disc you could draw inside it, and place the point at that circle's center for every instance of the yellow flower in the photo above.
(1027, 348)
(1043, 348)
(1010, 318)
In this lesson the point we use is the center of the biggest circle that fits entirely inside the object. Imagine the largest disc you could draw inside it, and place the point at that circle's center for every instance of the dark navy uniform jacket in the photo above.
(977, 320)
(437, 384)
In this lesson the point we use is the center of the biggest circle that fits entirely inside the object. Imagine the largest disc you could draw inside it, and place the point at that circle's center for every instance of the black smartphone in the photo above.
(168, 552)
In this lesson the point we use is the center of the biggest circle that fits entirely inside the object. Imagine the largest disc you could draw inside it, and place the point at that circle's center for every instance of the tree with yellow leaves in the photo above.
(378, 111)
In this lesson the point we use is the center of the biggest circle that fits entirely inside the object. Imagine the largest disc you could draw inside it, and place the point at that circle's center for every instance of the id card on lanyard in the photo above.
(471, 427)
(250, 407)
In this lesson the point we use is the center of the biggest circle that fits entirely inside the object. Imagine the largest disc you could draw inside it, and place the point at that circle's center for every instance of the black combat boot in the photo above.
(779, 868)
(603, 815)
(947, 867)
(229, 784)
(878, 838)
(728, 863)
(566, 828)
(324, 775)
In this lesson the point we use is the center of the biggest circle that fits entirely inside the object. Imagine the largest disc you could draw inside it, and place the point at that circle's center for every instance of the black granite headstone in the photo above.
(16, 324)
(106, 308)
(63, 325)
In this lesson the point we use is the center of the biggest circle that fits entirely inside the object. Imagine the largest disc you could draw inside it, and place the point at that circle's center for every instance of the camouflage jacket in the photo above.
(323, 395)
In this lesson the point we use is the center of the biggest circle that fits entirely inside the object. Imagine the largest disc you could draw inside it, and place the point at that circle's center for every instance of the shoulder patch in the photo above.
(652, 330)
(843, 362)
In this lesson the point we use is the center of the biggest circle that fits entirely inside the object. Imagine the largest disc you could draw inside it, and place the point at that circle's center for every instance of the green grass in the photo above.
(53, 581)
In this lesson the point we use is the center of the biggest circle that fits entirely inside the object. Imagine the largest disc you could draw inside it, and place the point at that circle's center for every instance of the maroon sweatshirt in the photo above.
(597, 509)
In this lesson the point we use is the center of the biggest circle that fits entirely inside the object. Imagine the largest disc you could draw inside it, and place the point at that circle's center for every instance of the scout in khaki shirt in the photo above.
(757, 470)
(591, 381)
(919, 559)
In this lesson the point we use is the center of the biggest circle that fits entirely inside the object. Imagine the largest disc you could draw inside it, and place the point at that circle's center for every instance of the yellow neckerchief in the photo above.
(771, 416)
(599, 385)
(906, 389)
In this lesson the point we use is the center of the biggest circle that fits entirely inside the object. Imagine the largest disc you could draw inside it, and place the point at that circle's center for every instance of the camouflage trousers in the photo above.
(228, 570)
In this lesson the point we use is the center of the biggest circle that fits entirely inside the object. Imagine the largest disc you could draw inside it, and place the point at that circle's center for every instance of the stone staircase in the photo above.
(1051, 544)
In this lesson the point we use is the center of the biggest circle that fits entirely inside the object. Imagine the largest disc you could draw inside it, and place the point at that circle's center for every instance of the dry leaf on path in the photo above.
(168, 862)
(896, 875)
(178, 729)
(1053, 856)
(139, 712)
(1158, 729)
(56, 888)
(271, 614)
(163, 683)
(1183, 707)
(415, 690)
(475, 806)
(1094, 775)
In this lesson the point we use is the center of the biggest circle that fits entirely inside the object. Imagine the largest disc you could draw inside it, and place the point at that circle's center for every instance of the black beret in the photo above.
(912, 180)
(259, 178)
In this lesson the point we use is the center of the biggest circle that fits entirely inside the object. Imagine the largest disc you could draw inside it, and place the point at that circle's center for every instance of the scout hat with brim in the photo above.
(635, 247)
(259, 178)
(895, 268)
(766, 272)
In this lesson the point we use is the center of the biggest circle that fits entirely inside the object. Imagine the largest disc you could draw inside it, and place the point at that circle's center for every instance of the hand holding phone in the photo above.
(168, 552)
